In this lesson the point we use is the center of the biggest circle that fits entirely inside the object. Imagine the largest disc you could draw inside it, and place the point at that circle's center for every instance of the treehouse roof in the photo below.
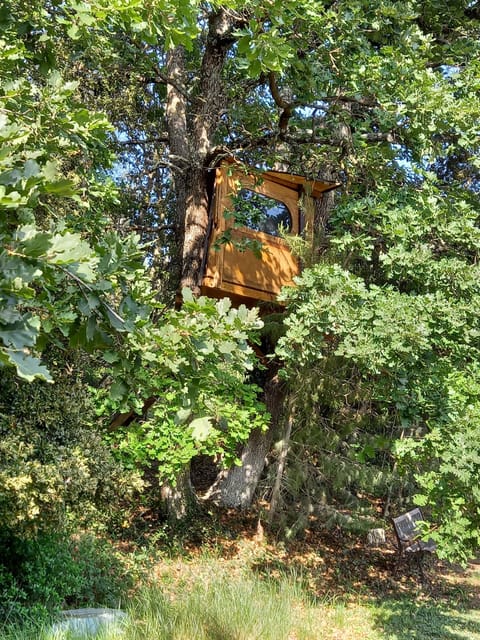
(299, 183)
(291, 181)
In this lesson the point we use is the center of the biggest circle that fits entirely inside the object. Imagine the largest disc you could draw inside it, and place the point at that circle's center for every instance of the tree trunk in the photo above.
(235, 487)
(191, 125)
(195, 233)
(180, 499)
(282, 461)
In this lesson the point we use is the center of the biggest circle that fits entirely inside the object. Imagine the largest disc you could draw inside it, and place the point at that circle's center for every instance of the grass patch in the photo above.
(225, 609)
(404, 620)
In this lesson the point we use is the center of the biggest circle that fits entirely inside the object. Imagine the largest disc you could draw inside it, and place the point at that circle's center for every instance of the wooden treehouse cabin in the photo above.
(247, 258)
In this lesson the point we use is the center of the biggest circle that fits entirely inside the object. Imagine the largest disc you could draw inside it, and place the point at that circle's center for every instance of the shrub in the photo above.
(49, 572)
(54, 467)
(56, 475)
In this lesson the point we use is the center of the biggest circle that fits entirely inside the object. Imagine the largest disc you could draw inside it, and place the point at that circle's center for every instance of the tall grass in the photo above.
(223, 609)
(212, 608)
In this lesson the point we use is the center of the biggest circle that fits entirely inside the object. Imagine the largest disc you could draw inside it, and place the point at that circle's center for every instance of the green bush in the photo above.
(45, 574)
(54, 467)
(56, 475)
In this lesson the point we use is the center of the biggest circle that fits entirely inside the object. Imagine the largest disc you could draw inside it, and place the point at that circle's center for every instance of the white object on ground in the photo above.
(85, 623)
(376, 537)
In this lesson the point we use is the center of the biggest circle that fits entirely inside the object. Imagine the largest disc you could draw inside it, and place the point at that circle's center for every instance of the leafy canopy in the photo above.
(68, 278)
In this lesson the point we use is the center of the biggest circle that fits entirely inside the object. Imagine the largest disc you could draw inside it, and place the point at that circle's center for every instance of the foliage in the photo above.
(195, 363)
(448, 457)
(61, 274)
(69, 278)
(54, 467)
(384, 331)
(403, 359)
(51, 572)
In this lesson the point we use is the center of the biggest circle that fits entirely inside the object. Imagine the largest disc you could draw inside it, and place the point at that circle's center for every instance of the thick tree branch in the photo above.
(275, 91)
(211, 101)
(282, 103)
(161, 139)
(381, 136)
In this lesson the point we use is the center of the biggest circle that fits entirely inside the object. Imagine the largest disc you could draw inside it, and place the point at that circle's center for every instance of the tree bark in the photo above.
(178, 135)
(322, 211)
(191, 128)
(195, 229)
(235, 487)
(180, 499)
(282, 462)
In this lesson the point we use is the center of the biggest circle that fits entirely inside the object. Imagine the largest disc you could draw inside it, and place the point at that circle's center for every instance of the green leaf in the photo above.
(28, 366)
(65, 188)
(116, 321)
(73, 32)
(20, 334)
(224, 305)
(182, 416)
(37, 245)
(243, 45)
(31, 169)
(91, 328)
(201, 428)
(86, 18)
(204, 346)
(67, 248)
(187, 295)
(110, 356)
(50, 170)
(227, 347)
(118, 390)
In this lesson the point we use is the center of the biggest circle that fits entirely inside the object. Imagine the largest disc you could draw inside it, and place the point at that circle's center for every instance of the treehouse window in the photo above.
(261, 213)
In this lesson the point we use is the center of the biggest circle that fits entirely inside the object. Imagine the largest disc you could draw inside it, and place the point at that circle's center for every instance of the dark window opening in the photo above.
(261, 213)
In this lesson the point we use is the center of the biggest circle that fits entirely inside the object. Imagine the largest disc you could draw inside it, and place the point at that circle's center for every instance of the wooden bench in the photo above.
(409, 542)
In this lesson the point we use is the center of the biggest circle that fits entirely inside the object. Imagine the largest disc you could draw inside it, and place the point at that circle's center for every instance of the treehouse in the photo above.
(248, 258)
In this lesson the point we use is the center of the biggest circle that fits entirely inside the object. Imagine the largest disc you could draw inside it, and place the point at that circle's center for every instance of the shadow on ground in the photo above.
(429, 620)
(331, 566)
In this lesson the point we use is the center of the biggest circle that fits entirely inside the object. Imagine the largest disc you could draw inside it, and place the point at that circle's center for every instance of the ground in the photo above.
(329, 564)
(345, 588)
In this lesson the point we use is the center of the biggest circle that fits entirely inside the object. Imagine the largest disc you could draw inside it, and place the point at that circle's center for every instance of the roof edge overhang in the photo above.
(293, 181)
(311, 187)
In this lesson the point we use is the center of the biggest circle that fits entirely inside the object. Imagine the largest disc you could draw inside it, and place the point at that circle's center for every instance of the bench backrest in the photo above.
(406, 525)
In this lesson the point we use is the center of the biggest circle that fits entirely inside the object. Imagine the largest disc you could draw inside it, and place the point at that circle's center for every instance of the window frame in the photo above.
(284, 210)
